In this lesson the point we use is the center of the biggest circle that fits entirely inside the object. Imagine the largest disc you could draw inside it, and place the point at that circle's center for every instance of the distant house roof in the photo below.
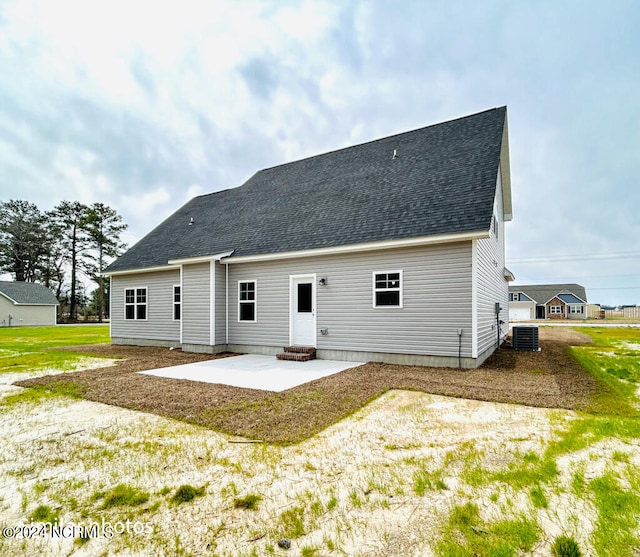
(436, 180)
(28, 293)
(570, 299)
(542, 293)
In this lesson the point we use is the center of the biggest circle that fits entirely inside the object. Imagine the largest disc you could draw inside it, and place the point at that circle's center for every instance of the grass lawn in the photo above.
(25, 349)
(390, 479)
(614, 359)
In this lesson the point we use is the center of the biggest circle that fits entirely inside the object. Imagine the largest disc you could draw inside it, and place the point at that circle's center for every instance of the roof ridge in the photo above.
(372, 141)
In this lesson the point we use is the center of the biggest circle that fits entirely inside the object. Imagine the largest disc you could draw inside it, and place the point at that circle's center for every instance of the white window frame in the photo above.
(555, 310)
(576, 309)
(399, 289)
(254, 301)
(135, 304)
(178, 303)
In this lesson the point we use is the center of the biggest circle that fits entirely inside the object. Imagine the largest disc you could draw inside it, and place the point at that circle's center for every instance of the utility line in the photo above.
(574, 257)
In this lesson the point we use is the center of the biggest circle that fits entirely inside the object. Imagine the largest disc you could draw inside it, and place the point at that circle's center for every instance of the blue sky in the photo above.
(142, 105)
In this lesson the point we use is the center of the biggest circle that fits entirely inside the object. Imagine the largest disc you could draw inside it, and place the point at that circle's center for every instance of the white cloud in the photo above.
(144, 104)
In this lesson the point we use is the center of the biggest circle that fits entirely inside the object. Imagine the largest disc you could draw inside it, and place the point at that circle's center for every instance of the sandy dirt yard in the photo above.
(382, 482)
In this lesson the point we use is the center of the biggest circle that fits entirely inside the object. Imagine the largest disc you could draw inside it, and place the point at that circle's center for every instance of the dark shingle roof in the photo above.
(542, 293)
(442, 181)
(28, 293)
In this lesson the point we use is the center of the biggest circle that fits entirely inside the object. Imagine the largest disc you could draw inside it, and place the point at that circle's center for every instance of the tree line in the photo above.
(55, 248)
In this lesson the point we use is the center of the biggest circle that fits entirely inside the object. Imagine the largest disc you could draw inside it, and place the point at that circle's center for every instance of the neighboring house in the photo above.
(26, 303)
(392, 250)
(547, 301)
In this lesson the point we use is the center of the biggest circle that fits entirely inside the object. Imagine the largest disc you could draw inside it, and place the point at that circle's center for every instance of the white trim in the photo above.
(143, 270)
(173, 301)
(474, 298)
(200, 259)
(357, 248)
(181, 301)
(255, 301)
(110, 308)
(400, 289)
(212, 302)
(310, 278)
(226, 304)
(504, 169)
(135, 303)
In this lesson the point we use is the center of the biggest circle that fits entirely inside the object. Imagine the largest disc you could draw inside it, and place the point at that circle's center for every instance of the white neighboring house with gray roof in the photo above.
(547, 301)
(392, 250)
(26, 303)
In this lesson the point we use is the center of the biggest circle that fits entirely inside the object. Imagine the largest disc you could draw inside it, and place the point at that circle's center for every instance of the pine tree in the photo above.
(70, 218)
(22, 239)
(104, 226)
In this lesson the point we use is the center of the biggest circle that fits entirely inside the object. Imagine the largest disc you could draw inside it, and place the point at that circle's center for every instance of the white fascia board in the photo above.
(357, 248)
(200, 259)
(33, 304)
(26, 303)
(505, 173)
(474, 299)
(9, 298)
(143, 270)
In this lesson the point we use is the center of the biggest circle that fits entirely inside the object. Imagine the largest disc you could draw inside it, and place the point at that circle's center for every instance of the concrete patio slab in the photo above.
(254, 371)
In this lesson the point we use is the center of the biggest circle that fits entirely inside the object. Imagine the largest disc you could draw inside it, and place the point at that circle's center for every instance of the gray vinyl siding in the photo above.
(492, 287)
(196, 303)
(25, 314)
(159, 324)
(436, 301)
(220, 303)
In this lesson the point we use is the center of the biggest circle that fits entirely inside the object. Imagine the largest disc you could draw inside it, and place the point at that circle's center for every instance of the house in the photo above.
(547, 301)
(392, 250)
(26, 303)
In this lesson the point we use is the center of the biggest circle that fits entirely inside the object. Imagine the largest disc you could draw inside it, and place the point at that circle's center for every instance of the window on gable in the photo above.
(177, 303)
(387, 289)
(514, 297)
(135, 303)
(247, 301)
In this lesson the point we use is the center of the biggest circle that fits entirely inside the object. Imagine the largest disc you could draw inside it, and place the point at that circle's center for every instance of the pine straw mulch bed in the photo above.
(550, 378)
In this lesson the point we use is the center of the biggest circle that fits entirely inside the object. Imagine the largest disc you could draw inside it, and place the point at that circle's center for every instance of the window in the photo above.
(387, 289)
(247, 301)
(305, 297)
(135, 303)
(555, 310)
(177, 303)
(494, 225)
(576, 309)
(514, 297)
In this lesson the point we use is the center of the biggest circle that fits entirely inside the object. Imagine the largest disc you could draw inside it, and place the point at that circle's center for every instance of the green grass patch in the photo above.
(611, 360)
(467, 534)
(424, 480)
(36, 395)
(538, 498)
(291, 523)
(618, 510)
(44, 513)
(186, 493)
(249, 502)
(26, 349)
(565, 546)
(121, 495)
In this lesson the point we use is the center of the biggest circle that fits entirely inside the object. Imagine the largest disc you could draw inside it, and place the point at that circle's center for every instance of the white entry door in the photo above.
(302, 313)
